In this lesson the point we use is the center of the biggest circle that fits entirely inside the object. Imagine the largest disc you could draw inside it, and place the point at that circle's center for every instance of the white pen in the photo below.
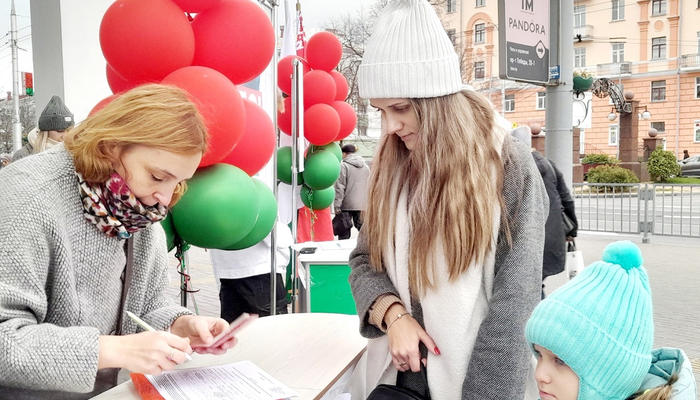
(147, 327)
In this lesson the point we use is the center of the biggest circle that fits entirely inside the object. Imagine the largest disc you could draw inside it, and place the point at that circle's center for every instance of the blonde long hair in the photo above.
(154, 115)
(663, 392)
(455, 178)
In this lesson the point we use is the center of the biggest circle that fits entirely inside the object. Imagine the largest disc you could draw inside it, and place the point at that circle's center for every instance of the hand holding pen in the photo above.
(149, 328)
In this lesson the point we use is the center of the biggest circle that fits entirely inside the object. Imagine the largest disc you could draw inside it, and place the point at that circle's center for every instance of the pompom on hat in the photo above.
(409, 55)
(56, 116)
(601, 324)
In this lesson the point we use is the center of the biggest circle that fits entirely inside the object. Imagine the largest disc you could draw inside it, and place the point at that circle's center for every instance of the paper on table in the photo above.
(242, 380)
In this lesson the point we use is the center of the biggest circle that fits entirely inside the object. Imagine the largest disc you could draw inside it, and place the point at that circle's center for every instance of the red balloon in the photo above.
(236, 38)
(118, 84)
(341, 85)
(319, 87)
(321, 124)
(195, 6)
(284, 72)
(102, 103)
(284, 120)
(146, 40)
(323, 51)
(220, 104)
(258, 142)
(348, 119)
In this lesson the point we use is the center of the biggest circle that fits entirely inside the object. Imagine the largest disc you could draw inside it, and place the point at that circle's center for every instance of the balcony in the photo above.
(583, 33)
(690, 61)
(613, 69)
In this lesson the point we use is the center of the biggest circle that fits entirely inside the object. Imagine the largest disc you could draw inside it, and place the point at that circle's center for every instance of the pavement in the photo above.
(672, 263)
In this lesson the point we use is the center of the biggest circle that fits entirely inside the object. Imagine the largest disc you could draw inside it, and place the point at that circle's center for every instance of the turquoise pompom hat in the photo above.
(601, 324)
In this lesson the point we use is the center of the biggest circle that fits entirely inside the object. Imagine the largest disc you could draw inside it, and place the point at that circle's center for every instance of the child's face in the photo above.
(555, 379)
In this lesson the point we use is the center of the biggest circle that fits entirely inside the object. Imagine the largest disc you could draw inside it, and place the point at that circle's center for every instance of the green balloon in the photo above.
(284, 166)
(170, 232)
(219, 208)
(321, 170)
(317, 199)
(333, 147)
(266, 218)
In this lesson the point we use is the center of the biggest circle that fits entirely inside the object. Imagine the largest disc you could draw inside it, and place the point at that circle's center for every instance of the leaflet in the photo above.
(237, 381)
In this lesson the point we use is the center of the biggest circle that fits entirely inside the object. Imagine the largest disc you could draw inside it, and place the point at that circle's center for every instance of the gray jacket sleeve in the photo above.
(500, 361)
(340, 184)
(367, 285)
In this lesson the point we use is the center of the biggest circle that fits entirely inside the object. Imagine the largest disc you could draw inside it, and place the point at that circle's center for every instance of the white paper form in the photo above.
(238, 381)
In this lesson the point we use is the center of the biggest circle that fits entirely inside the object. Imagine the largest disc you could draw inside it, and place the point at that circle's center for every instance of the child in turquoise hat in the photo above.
(593, 337)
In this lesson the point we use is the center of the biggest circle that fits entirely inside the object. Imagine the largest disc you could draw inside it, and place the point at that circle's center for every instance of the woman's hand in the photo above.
(145, 352)
(201, 331)
(405, 335)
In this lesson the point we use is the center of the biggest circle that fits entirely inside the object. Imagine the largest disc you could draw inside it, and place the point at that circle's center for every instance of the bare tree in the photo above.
(27, 117)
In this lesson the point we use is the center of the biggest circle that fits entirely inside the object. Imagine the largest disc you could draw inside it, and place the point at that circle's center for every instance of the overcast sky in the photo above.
(316, 13)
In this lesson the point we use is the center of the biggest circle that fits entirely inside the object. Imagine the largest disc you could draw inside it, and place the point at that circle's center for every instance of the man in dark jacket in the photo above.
(560, 202)
(350, 190)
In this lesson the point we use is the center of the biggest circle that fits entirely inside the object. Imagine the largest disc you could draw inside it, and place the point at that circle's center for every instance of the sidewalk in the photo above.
(673, 265)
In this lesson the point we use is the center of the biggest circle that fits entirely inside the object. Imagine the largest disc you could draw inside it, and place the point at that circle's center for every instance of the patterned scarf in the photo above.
(114, 210)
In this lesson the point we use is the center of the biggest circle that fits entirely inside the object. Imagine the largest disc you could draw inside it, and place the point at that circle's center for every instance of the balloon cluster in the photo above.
(327, 119)
(227, 43)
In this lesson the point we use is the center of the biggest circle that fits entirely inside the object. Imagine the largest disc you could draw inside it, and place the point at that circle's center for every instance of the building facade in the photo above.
(648, 47)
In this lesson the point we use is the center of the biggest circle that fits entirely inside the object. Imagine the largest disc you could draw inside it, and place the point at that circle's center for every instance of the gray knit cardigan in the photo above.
(61, 283)
(500, 361)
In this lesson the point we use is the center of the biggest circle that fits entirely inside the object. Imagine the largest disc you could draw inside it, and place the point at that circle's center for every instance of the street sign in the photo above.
(554, 72)
(524, 40)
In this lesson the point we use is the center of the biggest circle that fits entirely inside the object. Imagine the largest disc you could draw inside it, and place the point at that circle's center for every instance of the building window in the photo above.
(658, 7)
(618, 53)
(618, 10)
(658, 48)
(452, 34)
(482, 3)
(479, 33)
(697, 131)
(509, 105)
(579, 16)
(612, 135)
(479, 69)
(658, 90)
(579, 57)
(660, 126)
(697, 86)
(541, 101)
(451, 6)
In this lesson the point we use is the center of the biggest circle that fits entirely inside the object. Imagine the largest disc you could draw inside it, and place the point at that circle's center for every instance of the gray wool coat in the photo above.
(500, 363)
(61, 283)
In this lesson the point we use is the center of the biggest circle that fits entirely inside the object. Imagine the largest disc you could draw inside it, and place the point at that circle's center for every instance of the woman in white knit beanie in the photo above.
(448, 264)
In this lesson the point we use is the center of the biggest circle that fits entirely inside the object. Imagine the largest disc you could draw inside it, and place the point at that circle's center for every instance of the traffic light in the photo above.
(28, 83)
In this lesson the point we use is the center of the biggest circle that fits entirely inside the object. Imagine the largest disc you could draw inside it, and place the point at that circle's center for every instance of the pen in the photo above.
(147, 327)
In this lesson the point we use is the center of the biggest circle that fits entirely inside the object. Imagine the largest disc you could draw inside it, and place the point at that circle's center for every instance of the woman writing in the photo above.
(448, 263)
(78, 249)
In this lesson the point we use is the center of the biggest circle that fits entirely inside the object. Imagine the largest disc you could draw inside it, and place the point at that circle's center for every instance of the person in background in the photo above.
(593, 337)
(5, 160)
(448, 264)
(79, 247)
(560, 201)
(351, 188)
(686, 154)
(53, 122)
(243, 276)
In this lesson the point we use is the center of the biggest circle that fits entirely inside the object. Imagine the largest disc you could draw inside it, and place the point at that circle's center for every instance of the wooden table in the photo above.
(306, 351)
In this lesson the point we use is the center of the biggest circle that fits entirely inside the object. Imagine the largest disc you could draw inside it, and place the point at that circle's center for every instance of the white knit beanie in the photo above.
(409, 55)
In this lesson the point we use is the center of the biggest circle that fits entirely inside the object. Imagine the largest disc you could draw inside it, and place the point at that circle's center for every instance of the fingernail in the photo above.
(437, 351)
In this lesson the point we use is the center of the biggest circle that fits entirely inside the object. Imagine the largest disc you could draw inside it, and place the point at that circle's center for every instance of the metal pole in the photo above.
(273, 234)
(559, 114)
(297, 133)
(16, 124)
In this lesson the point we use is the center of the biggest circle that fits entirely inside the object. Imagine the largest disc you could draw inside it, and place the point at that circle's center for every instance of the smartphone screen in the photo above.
(235, 326)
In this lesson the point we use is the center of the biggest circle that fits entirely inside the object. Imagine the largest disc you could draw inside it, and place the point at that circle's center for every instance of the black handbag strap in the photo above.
(127, 281)
(570, 246)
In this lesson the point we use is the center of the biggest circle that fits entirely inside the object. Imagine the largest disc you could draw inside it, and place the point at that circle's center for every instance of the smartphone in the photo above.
(235, 326)
(308, 250)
